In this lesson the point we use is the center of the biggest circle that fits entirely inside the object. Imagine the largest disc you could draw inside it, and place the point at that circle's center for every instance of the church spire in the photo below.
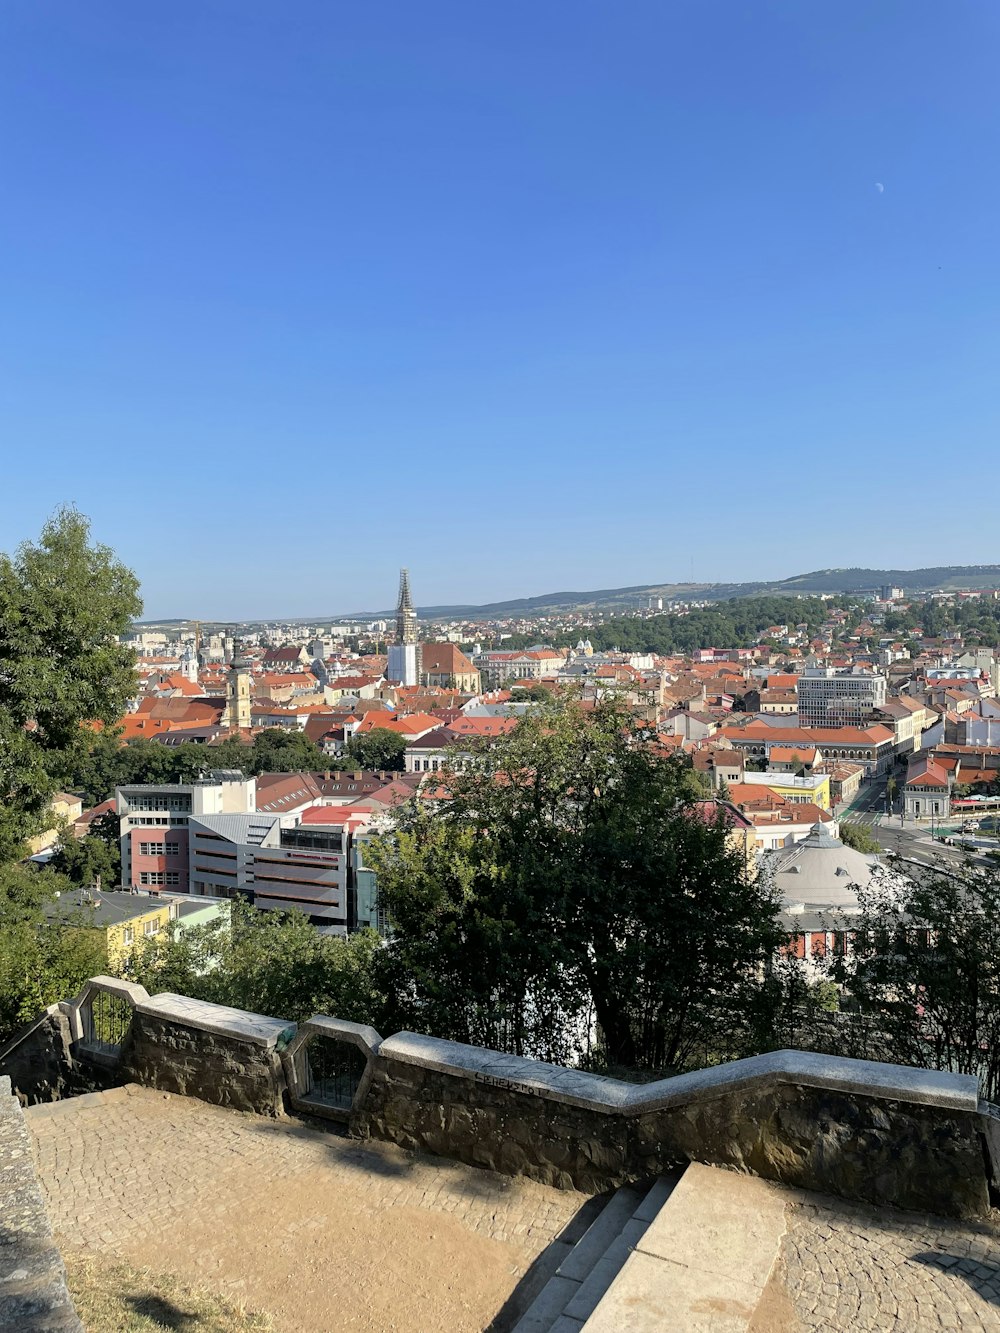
(406, 616)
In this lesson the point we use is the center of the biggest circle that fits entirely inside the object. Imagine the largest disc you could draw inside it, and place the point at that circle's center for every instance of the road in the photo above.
(902, 837)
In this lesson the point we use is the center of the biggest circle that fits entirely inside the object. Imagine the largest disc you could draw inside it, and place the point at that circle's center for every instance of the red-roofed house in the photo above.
(927, 790)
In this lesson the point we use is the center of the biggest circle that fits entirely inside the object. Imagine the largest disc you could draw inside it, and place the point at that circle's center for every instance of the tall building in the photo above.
(831, 698)
(404, 654)
(153, 823)
(237, 714)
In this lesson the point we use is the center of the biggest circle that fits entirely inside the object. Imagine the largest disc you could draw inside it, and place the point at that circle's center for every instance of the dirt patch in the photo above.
(316, 1264)
(315, 1231)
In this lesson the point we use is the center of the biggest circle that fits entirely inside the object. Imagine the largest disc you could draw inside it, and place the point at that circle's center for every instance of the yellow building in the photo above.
(63, 809)
(809, 789)
(124, 920)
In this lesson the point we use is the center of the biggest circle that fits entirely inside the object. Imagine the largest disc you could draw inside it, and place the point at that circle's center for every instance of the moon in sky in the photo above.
(880, 187)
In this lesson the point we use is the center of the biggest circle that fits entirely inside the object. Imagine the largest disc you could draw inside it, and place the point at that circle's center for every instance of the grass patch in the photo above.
(113, 1297)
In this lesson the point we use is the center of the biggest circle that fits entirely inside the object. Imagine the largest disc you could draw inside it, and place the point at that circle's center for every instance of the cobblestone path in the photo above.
(320, 1231)
(856, 1269)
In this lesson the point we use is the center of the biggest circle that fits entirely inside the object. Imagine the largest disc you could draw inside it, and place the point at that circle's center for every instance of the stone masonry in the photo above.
(33, 1294)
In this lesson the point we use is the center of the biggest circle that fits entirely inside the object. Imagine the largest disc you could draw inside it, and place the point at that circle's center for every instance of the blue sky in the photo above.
(527, 296)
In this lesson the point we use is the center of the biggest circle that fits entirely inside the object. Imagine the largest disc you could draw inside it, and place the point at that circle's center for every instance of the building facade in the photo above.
(831, 698)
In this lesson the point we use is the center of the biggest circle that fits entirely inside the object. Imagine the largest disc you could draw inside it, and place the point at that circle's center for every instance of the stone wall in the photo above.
(37, 1059)
(222, 1056)
(869, 1131)
(880, 1133)
(33, 1293)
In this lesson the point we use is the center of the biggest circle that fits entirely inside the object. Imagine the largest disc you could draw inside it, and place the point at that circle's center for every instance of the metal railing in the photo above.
(105, 1019)
(333, 1072)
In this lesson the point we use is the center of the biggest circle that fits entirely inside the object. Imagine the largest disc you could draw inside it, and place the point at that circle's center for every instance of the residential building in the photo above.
(828, 697)
(125, 920)
(872, 746)
(927, 790)
(64, 808)
(807, 789)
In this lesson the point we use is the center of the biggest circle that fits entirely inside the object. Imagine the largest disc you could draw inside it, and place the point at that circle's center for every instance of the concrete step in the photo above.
(591, 1265)
(702, 1262)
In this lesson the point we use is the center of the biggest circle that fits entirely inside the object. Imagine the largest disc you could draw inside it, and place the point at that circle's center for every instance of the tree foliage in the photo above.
(267, 962)
(923, 975)
(379, 750)
(860, 838)
(96, 769)
(572, 877)
(95, 857)
(63, 601)
(41, 960)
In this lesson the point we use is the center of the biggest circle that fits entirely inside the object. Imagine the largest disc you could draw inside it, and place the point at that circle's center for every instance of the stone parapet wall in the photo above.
(875, 1132)
(37, 1059)
(879, 1133)
(223, 1056)
(33, 1293)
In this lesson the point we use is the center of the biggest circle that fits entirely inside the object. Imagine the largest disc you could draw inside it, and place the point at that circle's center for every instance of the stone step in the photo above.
(605, 1228)
(702, 1262)
(590, 1267)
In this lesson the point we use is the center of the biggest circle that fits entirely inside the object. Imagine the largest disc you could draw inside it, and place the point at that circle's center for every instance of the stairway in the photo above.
(573, 1292)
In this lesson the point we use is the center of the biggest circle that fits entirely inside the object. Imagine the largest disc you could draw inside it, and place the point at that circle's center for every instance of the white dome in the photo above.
(820, 871)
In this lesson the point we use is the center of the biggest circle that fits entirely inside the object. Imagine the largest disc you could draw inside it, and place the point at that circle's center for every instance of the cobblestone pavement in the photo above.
(850, 1268)
(321, 1231)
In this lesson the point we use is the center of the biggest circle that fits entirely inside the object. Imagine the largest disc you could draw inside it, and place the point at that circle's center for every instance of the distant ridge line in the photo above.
(940, 578)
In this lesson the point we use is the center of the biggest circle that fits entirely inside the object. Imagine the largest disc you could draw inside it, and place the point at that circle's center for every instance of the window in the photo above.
(173, 877)
(128, 935)
(151, 877)
(152, 848)
(173, 848)
(151, 927)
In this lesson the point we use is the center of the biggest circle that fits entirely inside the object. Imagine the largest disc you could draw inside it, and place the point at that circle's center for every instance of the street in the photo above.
(913, 841)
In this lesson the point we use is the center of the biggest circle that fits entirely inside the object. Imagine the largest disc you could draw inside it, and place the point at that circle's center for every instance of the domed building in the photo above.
(818, 880)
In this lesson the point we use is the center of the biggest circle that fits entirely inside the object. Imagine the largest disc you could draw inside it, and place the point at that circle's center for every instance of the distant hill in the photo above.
(944, 578)
(939, 578)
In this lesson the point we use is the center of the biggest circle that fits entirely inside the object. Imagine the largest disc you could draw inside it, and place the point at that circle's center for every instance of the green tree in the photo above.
(574, 873)
(42, 959)
(267, 962)
(63, 602)
(860, 838)
(379, 750)
(97, 856)
(278, 750)
(922, 978)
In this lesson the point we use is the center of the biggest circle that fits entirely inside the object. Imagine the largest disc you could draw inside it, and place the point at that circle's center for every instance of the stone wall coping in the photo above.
(322, 1025)
(573, 1086)
(220, 1020)
(129, 990)
(868, 1078)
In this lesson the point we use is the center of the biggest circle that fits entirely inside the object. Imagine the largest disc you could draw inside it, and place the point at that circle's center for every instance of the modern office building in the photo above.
(153, 824)
(831, 698)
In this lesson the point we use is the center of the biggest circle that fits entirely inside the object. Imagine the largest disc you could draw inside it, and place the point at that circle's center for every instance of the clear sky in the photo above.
(528, 296)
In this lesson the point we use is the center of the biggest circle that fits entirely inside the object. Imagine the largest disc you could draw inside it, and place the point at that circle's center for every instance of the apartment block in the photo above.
(828, 697)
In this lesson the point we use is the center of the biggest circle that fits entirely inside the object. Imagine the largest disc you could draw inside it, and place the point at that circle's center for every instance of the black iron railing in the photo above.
(106, 1019)
(333, 1071)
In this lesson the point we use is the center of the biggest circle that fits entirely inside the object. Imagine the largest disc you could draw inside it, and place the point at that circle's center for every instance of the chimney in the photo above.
(326, 775)
(356, 777)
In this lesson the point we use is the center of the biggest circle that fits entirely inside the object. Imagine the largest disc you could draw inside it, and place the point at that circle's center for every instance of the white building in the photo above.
(831, 698)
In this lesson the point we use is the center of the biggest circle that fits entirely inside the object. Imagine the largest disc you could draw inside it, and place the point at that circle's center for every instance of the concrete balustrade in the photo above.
(876, 1132)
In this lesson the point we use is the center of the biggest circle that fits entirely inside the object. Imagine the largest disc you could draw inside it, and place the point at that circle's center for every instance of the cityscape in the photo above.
(499, 668)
